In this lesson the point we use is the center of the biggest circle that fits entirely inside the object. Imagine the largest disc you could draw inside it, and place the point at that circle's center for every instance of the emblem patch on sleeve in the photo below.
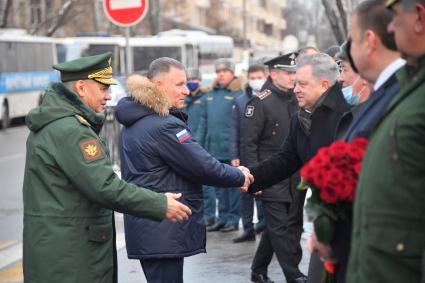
(91, 150)
(183, 135)
(249, 111)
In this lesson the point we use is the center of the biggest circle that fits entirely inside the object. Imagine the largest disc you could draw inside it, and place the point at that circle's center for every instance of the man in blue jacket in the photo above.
(158, 151)
(213, 133)
(192, 102)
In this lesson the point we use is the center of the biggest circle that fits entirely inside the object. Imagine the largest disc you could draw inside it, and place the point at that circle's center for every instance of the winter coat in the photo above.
(158, 152)
(192, 106)
(214, 125)
(388, 240)
(298, 147)
(69, 193)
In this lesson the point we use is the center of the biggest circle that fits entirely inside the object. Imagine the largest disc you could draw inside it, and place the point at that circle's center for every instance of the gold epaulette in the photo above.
(82, 120)
(265, 93)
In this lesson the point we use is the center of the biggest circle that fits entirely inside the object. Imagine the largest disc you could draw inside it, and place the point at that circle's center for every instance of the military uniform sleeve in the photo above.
(280, 166)
(202, 126)
(185, 156)
(234, 132)
(253, 124)
(80, 156)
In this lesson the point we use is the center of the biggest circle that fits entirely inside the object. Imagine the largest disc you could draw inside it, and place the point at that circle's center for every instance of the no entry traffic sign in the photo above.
(125, 12)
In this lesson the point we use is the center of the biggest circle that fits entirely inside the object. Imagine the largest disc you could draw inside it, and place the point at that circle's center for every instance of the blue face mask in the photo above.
(192, 86)
(348, 95)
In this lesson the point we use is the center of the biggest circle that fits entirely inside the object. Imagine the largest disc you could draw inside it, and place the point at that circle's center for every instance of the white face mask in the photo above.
(256, 85)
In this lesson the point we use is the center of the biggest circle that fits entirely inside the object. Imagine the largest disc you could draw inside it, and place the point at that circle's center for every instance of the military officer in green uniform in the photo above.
(388, 239)
(70, 190)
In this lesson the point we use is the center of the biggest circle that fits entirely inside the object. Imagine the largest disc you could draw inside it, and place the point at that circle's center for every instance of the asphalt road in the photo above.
(224, 262)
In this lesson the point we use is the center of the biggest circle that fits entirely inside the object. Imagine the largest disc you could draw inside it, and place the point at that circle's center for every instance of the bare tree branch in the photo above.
(334, 21)
(343, 16)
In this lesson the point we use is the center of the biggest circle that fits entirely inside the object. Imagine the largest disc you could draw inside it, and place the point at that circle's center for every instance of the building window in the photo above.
(35, 16)
(268, 29)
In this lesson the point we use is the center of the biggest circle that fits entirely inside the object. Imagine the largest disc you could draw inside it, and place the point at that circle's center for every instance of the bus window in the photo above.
(144, 55)
(25, 71)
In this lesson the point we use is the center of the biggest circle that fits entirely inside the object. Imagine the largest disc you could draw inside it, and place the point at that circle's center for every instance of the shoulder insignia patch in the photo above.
(91, 150)
(265, 93)
(182, 136)
(249, 111)
(82, 120)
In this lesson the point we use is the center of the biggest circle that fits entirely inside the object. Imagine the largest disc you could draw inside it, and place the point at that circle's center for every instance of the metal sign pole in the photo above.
(127, 51)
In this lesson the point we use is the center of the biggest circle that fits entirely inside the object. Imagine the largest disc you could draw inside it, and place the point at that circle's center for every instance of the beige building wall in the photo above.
(265, 27)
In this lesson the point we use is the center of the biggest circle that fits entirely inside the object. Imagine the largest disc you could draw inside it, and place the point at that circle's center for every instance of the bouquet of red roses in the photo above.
(332, 175)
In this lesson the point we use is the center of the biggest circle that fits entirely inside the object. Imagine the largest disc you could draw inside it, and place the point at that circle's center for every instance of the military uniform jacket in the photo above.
(69, 193)
(388, 240)
(265, 127)
(214, 125)
(159, 153)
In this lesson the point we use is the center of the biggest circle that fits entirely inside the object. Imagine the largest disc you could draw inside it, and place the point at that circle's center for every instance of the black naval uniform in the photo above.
(266, 125)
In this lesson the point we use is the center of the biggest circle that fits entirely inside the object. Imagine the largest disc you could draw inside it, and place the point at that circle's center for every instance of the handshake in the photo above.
(177, 212)
(249, 179)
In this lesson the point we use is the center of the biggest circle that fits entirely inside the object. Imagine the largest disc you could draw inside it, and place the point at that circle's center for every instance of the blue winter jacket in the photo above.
(158, 152)
(192, 106)
(214, 125)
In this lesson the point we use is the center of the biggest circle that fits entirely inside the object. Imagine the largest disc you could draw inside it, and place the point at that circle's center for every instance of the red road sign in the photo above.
(125, 12)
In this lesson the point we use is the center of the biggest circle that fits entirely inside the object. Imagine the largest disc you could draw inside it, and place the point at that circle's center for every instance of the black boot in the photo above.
(246, 236)
(260, 278)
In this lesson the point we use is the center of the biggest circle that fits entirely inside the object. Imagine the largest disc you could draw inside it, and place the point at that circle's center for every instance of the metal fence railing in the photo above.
(111, 135)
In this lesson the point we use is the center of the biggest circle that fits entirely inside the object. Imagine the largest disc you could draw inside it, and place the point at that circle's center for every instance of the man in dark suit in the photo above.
(375, 58)
(388, 243)
(321, 106)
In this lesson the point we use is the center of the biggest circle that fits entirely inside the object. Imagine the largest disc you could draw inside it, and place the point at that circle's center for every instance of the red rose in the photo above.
(307, 172)
(319, 180)
(359, 142)
(338, 149)
(346, 191)
(335, 175)
(357, 168)
(323, 151)
(328, 195)
(355, 153)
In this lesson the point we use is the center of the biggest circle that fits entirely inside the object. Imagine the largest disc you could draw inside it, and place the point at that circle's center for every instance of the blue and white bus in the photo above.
(25, 71)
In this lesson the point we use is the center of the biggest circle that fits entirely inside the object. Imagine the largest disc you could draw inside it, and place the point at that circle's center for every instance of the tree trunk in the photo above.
(334, 21)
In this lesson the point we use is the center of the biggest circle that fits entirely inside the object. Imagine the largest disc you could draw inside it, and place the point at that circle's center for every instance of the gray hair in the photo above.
(162, 65)
(323, 66)
(70, 85)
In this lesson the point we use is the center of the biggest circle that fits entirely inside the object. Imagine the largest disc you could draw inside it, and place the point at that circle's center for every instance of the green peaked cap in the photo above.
(97, 67)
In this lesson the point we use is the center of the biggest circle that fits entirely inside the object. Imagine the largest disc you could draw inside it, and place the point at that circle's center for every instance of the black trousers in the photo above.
(163, 270)
(279, 238)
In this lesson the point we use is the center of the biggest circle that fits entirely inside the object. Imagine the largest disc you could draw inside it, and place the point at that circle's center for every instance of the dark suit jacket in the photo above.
(298, 147)
(365, 119)
(370, 111)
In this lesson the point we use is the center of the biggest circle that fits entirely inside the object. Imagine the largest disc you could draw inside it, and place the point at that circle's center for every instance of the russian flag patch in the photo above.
(182, 135)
